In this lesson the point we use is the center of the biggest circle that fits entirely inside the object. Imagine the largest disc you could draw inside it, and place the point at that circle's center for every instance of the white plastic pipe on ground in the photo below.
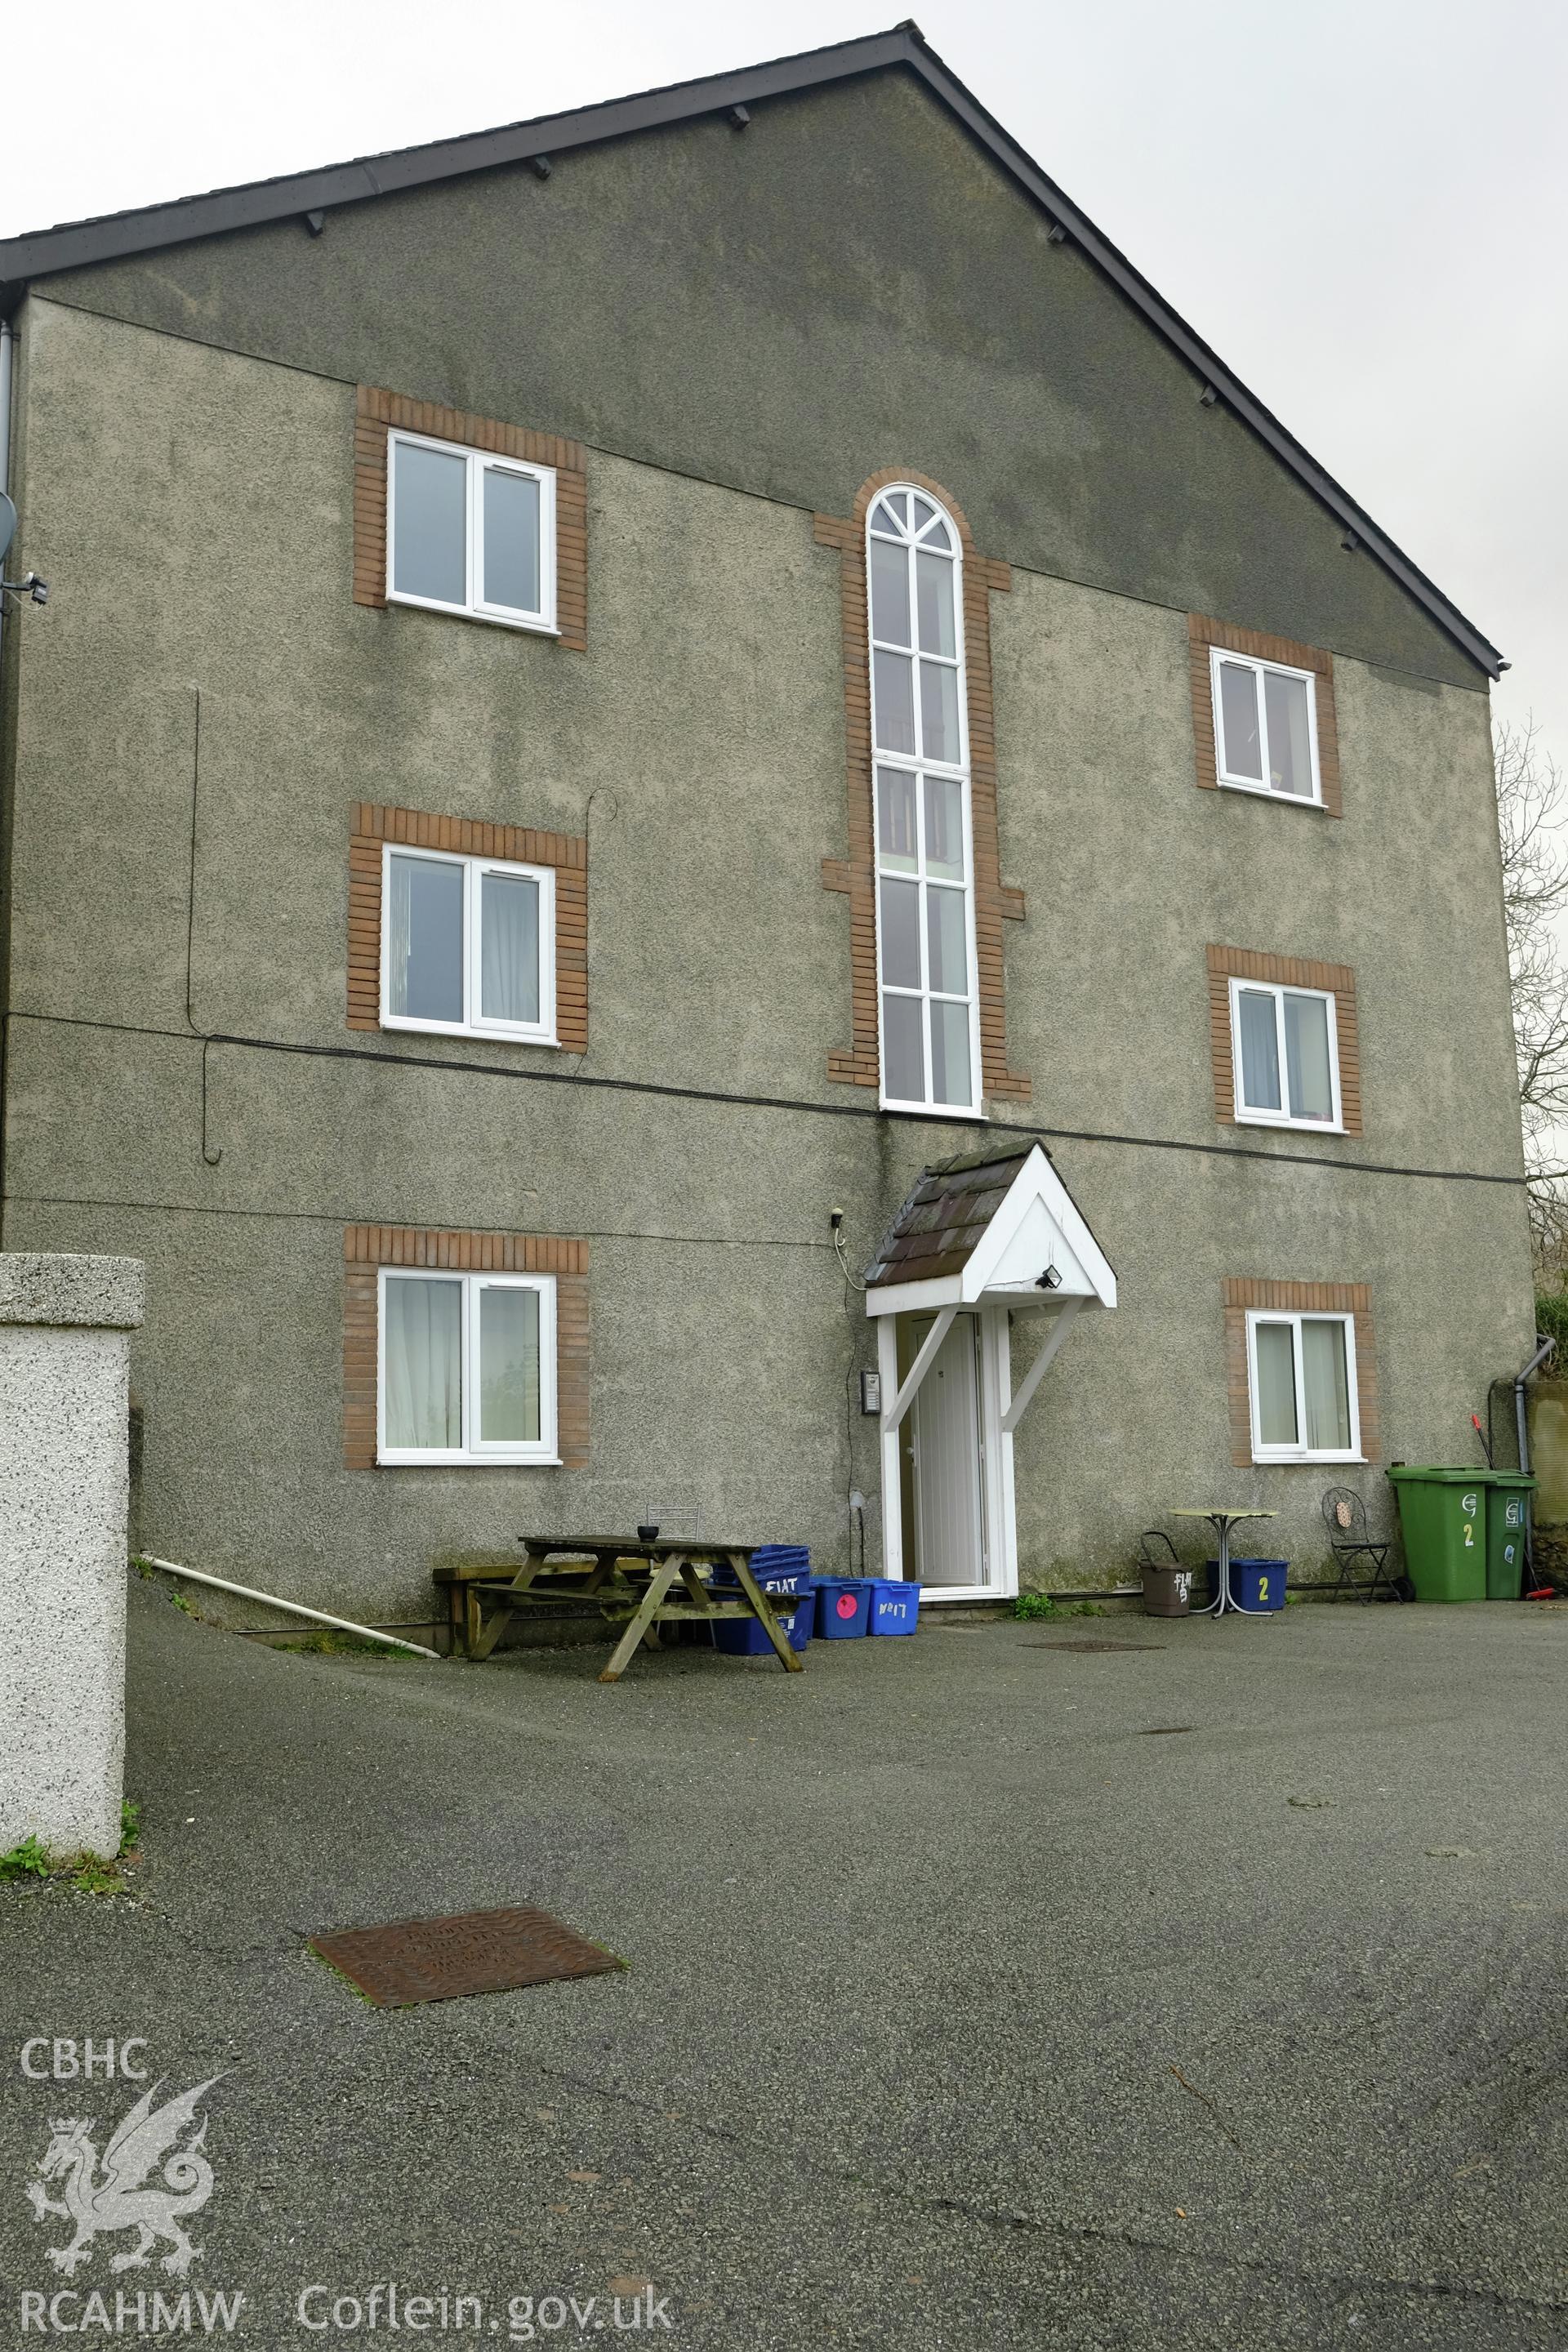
(295, 1608)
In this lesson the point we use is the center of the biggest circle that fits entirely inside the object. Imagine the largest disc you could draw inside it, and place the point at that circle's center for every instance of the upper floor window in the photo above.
(467, 944)
(1266, 729)
(1285, 1056)
(466, 1367)
(1302, 1376)
(925, 900)
(469, 533)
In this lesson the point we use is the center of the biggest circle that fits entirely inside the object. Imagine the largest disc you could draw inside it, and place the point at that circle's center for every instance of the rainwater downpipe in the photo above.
(5, 341)
(1521, 1426)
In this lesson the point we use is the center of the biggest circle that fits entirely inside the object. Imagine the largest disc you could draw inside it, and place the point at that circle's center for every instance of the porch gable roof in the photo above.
(985, 1226)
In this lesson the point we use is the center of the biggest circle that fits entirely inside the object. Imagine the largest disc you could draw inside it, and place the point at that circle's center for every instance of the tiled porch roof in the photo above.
(943, 1222)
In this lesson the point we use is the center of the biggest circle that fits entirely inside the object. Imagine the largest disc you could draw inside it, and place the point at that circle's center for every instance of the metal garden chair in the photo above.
(1344, 1513)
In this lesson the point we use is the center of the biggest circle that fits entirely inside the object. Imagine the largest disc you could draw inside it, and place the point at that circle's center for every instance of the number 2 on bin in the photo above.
(1263, 1590)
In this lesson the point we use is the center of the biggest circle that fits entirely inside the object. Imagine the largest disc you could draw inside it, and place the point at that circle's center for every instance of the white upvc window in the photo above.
(467, 945)
(466, 1367)
(927, 1000)
(1301, 1373)
(1265, 727)
(468, 531)
(1285, 1054)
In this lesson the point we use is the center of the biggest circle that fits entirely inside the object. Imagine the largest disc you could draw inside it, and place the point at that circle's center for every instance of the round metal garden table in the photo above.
(1222, 1522)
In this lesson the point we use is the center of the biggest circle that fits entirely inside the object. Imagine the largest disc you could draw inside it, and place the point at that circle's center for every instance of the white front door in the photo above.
(947, 1461)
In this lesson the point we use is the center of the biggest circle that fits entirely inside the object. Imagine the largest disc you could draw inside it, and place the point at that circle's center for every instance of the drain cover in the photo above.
(1094, 1646)
(476, 1951)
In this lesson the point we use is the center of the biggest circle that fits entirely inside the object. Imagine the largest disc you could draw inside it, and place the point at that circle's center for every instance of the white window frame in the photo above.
(1246, 1114)
(471, 1453)
(1262, 787)
(917, 766)
(1261, 1453)
(529, 1033)
(479, 462)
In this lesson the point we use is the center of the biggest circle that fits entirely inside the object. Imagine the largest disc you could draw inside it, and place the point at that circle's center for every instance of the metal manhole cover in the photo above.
(1094, 1646)
(475, 1951)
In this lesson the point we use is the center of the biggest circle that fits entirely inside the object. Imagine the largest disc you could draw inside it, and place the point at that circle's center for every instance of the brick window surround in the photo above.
(1242, 1292)
(1225, 965)
(855, 876)
(1202, 634)
(366, 1248)
(467, 836)
(376, 411)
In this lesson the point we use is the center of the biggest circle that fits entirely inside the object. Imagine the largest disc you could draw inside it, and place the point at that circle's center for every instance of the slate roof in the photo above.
(75, 245)
(940, 1225)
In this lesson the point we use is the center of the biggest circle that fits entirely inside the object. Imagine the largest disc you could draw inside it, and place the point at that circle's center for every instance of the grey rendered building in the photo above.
(618, 691)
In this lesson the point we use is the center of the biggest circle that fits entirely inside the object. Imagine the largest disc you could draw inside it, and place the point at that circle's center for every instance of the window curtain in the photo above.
(1290, 751)
(1259, 1051)
(1238, 716)
(424, 1363)
(399, 932)
(1327, 1384)
(508, 948)
(1276, 1356)
(1307, 1058)
(425, 929)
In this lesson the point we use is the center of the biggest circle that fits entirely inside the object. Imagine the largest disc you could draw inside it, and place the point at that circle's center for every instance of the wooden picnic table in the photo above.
(622, 1579)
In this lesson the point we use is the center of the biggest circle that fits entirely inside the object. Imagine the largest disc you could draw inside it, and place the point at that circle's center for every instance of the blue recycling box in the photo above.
(743, 1637)
(843, 1607)
(778, 1568)
(895, 1606)
(1256, 1586)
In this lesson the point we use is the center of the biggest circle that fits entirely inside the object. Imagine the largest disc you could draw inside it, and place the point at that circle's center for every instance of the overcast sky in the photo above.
(1360, 203)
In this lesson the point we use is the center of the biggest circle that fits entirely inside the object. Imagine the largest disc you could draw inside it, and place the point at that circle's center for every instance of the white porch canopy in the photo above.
(983, 1231)
(996, 1234)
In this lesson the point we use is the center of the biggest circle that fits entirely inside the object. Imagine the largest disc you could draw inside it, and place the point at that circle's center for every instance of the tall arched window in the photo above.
(920, 733)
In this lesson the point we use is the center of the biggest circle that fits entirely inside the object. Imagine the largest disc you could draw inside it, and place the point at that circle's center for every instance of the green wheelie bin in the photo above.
(1508, 1518)
(1443, 1519)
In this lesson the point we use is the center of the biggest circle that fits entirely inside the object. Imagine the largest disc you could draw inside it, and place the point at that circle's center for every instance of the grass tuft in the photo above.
(28, 1860)
(326, 1642)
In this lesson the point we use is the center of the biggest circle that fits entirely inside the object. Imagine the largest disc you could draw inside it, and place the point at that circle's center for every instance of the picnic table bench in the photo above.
(625, 1580)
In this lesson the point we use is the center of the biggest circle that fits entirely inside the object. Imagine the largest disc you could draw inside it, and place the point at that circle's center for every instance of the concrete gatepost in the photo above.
(65, 1364)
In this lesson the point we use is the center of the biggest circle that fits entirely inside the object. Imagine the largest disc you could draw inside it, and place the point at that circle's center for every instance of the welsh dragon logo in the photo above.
(121, 2197)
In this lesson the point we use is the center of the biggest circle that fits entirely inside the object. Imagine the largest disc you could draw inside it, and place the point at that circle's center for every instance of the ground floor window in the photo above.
(466, 1367)
(1301, 1374)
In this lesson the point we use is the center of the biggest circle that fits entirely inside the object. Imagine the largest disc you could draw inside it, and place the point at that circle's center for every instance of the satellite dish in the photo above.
(7, 525)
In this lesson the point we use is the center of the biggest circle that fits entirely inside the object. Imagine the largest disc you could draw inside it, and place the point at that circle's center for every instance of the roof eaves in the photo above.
(116, 235)
(1207, 364)
(111, 236)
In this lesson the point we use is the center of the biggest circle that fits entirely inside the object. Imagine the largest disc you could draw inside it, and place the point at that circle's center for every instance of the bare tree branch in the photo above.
(1531, 793)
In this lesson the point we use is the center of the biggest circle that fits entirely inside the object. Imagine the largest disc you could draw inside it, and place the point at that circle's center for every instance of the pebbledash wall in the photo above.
(185, 459)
